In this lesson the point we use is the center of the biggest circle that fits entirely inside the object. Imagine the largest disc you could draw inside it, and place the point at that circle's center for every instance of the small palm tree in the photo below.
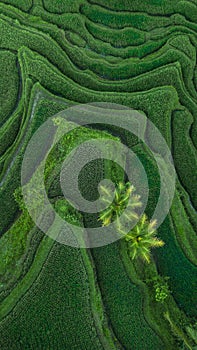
(142, 238)
(123, 193)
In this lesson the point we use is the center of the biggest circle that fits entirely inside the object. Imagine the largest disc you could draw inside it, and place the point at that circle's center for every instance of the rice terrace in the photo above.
(98, 175)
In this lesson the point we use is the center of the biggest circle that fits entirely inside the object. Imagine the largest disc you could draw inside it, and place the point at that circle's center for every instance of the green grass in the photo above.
(155, 7)
(139, 54)
(59, 6)
(66, 273)
(62, 307)
(123, 301)
(185, 232)
(139, 273)
(116, 20)
(44, 108)
(9, 84)
(13, 245)
(172, 262)
(23, 5)
(171, 259)
(117, 38)
(184, 153)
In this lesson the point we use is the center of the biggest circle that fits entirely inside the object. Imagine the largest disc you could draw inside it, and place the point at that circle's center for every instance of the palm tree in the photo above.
(123, 193)
(142, 238)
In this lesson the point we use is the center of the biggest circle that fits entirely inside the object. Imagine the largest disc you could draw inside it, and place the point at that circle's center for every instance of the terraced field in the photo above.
(54, 55)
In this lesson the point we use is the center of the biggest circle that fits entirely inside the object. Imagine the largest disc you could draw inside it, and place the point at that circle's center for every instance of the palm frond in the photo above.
(105, 191)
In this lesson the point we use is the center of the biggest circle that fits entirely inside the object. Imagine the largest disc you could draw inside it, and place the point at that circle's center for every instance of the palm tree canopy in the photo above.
(122, 194)
(142, 238)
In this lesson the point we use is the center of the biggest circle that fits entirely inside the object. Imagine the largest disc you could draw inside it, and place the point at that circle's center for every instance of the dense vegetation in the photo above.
(54, 54)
